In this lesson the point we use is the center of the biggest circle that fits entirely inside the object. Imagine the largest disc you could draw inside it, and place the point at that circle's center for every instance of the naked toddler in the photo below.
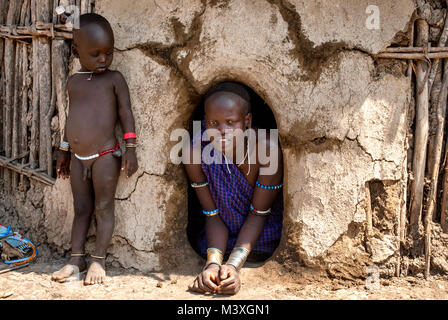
(89, 152)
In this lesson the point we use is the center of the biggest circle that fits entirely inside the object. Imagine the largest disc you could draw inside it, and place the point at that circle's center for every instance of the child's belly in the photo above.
(90, 129)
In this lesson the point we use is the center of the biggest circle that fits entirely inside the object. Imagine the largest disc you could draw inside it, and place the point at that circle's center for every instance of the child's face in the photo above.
(226, 113)
(95, 47)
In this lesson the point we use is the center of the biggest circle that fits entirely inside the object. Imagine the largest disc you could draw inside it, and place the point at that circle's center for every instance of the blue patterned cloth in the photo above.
(233, 195)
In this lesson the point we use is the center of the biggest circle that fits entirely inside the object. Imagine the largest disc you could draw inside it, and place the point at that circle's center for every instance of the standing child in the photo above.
(98, 98)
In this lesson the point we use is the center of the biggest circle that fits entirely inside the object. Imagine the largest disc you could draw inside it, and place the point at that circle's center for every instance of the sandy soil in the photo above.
(33, 282)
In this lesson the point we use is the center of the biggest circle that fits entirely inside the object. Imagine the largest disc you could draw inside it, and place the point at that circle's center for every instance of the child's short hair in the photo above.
(88, 18)
(231, 87)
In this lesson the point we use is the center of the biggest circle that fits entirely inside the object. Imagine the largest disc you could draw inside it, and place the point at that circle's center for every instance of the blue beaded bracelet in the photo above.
(210, 213)
(199, 184)
(268, 187)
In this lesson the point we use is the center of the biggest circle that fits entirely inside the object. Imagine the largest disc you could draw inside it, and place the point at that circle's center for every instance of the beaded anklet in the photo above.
(97, 257)
(77, 254)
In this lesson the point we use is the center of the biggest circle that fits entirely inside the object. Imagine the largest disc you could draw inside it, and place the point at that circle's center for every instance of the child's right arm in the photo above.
(63, 162)
(64, 157)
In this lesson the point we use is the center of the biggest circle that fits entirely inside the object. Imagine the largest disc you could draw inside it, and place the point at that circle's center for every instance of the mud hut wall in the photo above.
(342, 121)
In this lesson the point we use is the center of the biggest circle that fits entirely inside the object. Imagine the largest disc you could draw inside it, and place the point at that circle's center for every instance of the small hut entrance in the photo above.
(262, 118)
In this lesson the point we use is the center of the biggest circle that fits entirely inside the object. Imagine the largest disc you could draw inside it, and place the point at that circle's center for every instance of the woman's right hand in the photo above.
(63, 164)
(229, 282)
(207, 280)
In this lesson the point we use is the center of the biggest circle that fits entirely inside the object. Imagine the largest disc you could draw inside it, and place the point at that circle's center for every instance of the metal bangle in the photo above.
(131, 145)
(64, 144)
(214, 256)
(238, 257)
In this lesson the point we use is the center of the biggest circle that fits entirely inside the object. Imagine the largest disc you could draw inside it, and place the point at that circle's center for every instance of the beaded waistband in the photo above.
(96, 155)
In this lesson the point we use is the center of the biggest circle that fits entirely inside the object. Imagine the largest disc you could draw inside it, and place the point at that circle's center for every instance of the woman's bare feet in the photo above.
(96, 273)
(74, 265)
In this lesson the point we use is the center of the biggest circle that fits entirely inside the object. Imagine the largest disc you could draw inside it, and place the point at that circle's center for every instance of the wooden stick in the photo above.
(37, 26)
(442, 43)
(438, 145)
(61, 51)
(433, 105)
(16, 110)
(30, 173)
(421, 132)
(44, 56)
(78, 4)
(49, 115)
(18, 87)
(414, 50)
(34, 143)
(40, 25)
(444, 200)
(25, 87)
(1, 107)
(402, 220)
(3, 12)
(24, 12)
(54, 18)
(369, 219)
(411, 44)
(9, 60)
(24, 107)
(14, 268)
(29, 32)
(413, 56)
(84, 6)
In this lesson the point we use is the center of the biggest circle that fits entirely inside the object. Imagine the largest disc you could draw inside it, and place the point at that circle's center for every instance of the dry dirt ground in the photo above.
(33, 282)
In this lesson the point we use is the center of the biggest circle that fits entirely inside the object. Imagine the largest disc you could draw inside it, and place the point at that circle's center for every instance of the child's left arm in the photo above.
(129, 159)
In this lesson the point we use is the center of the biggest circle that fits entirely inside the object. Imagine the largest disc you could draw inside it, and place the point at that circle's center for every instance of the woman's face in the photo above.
(227, 113)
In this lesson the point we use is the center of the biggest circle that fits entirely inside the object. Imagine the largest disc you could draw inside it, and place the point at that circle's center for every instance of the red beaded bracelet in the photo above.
(129, 135)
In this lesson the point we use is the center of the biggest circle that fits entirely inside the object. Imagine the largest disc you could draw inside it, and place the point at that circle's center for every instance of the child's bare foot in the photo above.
(96, 273)
(74, 265)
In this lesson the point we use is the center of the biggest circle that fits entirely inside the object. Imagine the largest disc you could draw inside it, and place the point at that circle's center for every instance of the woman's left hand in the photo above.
(229, 280)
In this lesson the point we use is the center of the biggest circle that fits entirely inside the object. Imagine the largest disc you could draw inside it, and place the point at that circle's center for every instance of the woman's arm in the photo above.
(216, 231)
(253, 225)
(262, 200)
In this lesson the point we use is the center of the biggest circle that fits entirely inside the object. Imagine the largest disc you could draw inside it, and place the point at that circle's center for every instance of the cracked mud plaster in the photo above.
(184, 38)
(341, 120)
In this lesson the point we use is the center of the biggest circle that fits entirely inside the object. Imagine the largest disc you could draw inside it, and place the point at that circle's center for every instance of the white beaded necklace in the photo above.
(85, 72)
(247, 155)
